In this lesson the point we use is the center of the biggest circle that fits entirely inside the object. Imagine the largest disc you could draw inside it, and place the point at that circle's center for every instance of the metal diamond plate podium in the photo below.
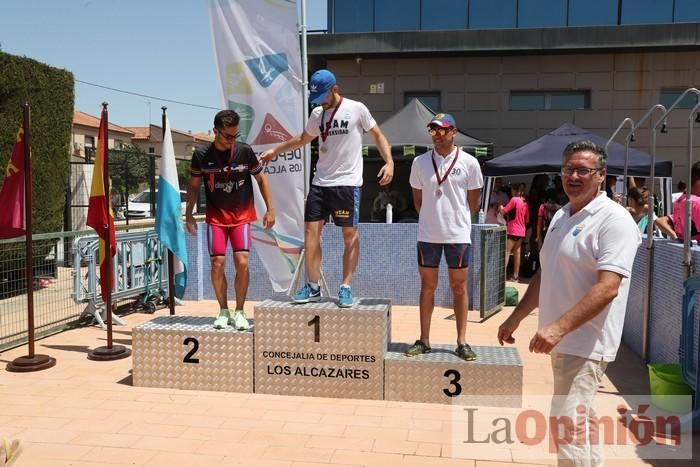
(496, 377)
(319, 349)
(186, 352)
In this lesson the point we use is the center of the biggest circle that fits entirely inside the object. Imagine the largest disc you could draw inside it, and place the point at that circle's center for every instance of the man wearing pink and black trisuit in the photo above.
(226, 168)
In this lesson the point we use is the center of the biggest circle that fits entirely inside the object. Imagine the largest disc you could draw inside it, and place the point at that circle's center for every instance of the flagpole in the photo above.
(110, 352)
(31, 362)
(171, 272)
(305, 96)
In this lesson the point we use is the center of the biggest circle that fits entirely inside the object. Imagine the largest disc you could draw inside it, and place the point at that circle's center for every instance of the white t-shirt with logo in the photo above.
(600, 237)
(341, 162)
(445, 218)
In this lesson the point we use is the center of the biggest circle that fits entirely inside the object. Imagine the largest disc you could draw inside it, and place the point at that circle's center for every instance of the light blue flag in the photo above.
(169, 226)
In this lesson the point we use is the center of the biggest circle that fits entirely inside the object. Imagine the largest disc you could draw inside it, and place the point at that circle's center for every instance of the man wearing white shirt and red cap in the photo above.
(335, 189)
(446, 186)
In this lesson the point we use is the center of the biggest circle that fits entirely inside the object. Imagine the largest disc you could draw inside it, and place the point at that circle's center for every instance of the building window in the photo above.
(352, 16)
(432, 18)
(669, 96)
(151, 150)
(387, 17)
(686, 11)
(493, 14)
(646, 11)
(541, 13)
(550, 100)
(431, 99)
(592, 12)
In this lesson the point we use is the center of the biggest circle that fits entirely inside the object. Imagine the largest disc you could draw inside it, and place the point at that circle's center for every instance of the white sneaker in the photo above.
(240, 322)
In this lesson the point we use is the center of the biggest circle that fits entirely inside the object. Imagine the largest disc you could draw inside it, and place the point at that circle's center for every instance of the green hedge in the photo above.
(49, 92)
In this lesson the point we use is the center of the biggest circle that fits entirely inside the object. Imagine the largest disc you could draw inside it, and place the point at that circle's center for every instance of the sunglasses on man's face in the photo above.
(229, 137)
(439, 131)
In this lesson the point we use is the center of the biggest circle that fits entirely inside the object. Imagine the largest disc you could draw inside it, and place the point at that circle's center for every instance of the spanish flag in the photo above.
(12, 222)
(99, 218)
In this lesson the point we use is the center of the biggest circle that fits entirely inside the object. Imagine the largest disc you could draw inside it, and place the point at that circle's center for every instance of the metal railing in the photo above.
(54, 309)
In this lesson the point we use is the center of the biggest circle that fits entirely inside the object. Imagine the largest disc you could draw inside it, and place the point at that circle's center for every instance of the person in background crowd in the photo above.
(681, 189)
(610, 182)
(226, 168)
(581, 291)
(446, 185)
(335, 189)
(679, 207)
(517, 215)
(638, 207)
(388, 196)
(553, 201)
(497, 200)
(534, 198)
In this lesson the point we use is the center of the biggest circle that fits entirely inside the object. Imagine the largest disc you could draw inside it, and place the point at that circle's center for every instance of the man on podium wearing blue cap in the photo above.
(335, 190)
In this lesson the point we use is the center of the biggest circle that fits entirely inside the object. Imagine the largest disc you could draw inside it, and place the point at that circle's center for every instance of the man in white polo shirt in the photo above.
(446, 186)
(581, 290)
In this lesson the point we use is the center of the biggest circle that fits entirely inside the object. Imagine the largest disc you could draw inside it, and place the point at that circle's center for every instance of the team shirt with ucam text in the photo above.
(340, 155)
(227, 179)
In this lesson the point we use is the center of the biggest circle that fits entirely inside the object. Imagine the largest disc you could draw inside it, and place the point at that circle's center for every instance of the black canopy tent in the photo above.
(544, 155)
(408, 135)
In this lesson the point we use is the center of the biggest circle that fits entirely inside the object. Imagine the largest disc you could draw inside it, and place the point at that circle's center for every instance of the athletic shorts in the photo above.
(341, 202)
(218, 236)
(515, 237)
(456, 254)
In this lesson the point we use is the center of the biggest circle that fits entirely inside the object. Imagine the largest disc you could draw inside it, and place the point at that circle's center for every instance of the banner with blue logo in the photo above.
(257, 52)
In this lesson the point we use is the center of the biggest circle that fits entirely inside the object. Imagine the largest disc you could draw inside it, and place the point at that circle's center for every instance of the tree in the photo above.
(129, 170)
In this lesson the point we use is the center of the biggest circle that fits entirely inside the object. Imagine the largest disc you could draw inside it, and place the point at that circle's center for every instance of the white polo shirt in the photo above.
(600, 237)
(445, 218)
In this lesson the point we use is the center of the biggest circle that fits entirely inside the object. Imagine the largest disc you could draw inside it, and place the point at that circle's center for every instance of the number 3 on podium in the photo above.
(454, 382)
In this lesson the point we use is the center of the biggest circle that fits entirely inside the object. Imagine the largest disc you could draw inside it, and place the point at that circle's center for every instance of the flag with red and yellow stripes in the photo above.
(99, 217)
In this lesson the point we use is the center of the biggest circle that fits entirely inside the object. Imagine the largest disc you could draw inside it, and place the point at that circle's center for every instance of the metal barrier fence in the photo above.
(138, 269)
(493, 271)
(54, 308)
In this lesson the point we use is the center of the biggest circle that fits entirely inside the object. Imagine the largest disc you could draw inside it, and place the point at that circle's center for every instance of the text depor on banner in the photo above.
(259, 62)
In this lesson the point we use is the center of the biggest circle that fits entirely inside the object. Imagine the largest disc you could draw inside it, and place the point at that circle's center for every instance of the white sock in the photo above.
(314, 286)
(344, 286)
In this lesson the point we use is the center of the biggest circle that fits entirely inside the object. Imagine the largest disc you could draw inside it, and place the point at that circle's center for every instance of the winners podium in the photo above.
(319, 350)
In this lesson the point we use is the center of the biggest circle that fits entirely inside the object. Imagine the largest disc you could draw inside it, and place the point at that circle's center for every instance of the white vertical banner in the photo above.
(256, 43)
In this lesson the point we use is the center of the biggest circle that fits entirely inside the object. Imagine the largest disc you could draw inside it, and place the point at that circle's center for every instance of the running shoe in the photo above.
(465, 352)
(417, 348)
(240, 322)
(221, 321)
(345, 297)
(307, 294)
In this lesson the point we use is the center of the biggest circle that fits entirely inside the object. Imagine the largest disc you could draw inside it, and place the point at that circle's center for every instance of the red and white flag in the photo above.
(12, 221)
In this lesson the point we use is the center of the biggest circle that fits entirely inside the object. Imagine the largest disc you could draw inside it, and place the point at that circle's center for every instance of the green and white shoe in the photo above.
(221, 321)
(240, 322)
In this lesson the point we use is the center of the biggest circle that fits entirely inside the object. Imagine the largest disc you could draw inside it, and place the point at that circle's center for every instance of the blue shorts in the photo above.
(456, 254)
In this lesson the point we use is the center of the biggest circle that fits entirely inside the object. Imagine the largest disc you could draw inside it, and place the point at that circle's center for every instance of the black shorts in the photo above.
(515, 237)
(456, 254)
(341, 202)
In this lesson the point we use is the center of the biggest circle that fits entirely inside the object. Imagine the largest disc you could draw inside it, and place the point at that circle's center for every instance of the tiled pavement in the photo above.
(85, 413)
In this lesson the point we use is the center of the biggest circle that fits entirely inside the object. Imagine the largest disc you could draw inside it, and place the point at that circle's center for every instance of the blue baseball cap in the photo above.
(320, 83)
(443, 120)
